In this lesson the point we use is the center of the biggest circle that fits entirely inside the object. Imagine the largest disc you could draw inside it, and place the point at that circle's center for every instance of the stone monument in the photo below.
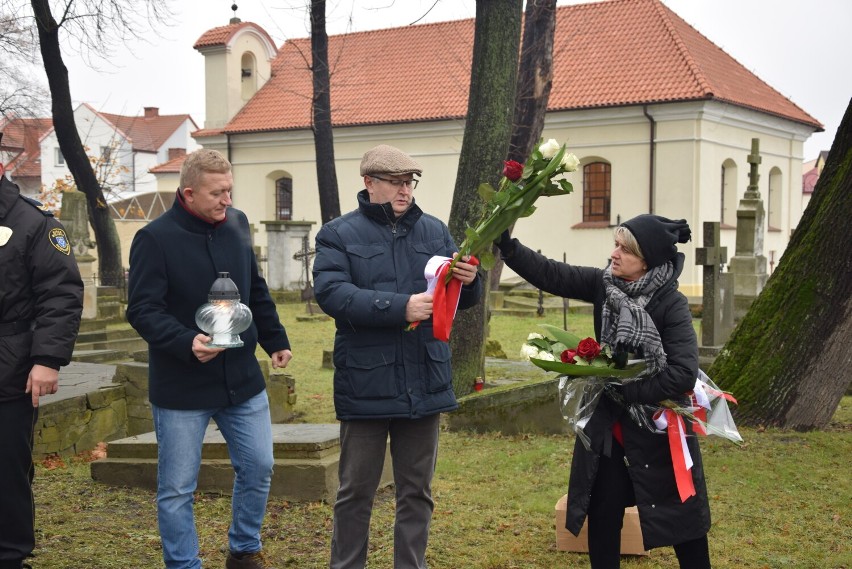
(75, 218)
(284, 239)
(748, 264)
(717, 320)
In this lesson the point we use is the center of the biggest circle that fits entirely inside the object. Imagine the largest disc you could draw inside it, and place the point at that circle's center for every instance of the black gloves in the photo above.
(506, 244)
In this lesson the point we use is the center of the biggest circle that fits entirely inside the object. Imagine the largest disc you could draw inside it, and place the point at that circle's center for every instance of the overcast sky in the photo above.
(799, 47)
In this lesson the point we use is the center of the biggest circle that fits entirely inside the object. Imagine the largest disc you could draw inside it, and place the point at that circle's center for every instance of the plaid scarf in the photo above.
(624, 320)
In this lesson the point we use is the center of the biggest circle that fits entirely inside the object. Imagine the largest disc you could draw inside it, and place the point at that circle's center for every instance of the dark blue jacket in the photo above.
(173, 262)
(366, 268)
(664, 519)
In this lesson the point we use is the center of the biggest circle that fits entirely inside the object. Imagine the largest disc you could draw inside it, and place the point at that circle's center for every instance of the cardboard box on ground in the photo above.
(631, 533)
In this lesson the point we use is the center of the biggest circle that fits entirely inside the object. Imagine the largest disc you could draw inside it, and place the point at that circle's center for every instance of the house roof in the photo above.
(148, 132)
(22, 136)
(605, 54)
(170, 166)
(220, 36)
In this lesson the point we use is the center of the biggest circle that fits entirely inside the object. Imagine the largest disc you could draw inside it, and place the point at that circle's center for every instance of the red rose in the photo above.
(588, 349)
(513, 170)
(567, 357)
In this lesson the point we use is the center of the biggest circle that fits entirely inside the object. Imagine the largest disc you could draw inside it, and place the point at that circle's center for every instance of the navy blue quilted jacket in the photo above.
(367, 266)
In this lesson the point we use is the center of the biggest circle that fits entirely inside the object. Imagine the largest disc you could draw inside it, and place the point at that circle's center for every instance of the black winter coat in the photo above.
(367, 266)
(173, 262)
(41, 292)
(665, 520)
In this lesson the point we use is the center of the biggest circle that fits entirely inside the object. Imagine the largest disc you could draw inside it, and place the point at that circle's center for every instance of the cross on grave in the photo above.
(305, 255)
(754, 159)
(748, 263)
(718, 314)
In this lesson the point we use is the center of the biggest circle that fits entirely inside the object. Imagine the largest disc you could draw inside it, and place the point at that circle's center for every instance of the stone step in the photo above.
(512, 301)
(100, 356)
(518, 312)
(306, 462)
(103, 334)
(128, 345)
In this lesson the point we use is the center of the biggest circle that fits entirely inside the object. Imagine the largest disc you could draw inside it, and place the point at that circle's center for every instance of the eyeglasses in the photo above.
(411, 184)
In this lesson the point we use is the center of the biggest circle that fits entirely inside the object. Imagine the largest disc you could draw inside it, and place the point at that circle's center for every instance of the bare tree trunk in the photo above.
(323, 136)
(106, 237)
(485, 145)
(535, 79)
(788, 362)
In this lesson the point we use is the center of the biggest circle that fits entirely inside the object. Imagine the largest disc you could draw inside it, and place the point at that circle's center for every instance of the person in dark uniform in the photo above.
(41, 301)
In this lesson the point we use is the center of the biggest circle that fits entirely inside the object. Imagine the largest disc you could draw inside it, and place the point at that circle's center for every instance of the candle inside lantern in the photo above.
(224, 317)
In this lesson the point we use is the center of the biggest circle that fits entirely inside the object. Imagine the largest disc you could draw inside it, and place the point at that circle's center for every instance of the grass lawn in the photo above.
(781, 500)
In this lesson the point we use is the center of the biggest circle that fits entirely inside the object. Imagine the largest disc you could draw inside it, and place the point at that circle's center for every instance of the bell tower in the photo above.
(237, 63)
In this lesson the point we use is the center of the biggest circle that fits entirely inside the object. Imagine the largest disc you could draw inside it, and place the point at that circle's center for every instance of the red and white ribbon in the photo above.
(445, 295)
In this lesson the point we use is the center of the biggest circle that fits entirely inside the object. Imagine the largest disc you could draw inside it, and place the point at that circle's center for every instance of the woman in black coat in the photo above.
(637, 308)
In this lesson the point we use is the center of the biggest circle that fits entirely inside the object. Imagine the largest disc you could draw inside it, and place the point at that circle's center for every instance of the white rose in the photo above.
(546, 356)
(534, 336)
(549, 148)
(528, 352)
(570, 162)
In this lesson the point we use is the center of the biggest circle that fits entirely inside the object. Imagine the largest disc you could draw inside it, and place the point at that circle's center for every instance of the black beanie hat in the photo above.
(658, 236)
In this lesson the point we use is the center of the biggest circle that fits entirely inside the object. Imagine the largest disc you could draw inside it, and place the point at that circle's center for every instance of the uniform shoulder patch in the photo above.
(59, 240)
(38, 205)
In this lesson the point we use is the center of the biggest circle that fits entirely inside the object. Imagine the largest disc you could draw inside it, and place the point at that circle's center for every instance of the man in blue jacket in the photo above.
(173, 262)
(388, 381)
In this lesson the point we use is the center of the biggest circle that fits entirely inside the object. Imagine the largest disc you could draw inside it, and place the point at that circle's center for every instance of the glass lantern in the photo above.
(224, 316)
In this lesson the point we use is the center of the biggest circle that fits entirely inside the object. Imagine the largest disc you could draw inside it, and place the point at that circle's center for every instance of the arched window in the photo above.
(728, 194)
(284, 199)
(597, 189)
(248, 76)
(773, 200)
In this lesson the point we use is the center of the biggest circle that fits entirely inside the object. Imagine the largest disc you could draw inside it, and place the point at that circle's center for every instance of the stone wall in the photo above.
(525, 407)
(69, 426)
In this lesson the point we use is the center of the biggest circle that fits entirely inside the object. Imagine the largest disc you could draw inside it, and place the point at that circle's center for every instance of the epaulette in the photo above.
(38, 205)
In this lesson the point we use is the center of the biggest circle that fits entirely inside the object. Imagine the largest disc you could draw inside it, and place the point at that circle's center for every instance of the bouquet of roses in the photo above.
(587, 370)
(567, 354)
(520, 186)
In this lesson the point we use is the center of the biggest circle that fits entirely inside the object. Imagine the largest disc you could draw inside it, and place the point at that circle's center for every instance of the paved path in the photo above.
(80, 378)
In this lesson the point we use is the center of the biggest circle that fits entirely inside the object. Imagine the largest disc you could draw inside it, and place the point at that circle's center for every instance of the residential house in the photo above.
(122, 148)
(20, 151)
(660, 117)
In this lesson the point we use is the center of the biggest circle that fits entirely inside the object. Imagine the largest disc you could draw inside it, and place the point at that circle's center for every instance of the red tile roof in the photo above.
(149, 132)
(606, 54)
(170, 166)
(222, 35)
(23, 135)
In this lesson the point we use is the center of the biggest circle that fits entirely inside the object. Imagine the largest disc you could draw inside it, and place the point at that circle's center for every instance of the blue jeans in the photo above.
(247, 430)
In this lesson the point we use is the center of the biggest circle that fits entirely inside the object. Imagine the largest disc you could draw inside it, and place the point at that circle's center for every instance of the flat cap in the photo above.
(384, 159)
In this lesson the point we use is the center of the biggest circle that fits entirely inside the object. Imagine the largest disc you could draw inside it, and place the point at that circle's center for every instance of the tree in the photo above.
(20, 95)
(788, 361)
(321, 110)
(535, 79)
(485, 145)
(95, 24)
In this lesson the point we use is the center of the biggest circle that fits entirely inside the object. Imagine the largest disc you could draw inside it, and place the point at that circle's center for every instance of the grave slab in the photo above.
(307, 457)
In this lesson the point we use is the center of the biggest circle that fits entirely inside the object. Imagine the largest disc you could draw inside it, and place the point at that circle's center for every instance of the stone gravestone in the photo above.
(748, 264)
(75, 219)
(284, 239)
(717, 320)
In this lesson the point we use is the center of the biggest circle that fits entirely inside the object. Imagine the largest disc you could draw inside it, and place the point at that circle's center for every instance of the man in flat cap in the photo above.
(389, 380)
